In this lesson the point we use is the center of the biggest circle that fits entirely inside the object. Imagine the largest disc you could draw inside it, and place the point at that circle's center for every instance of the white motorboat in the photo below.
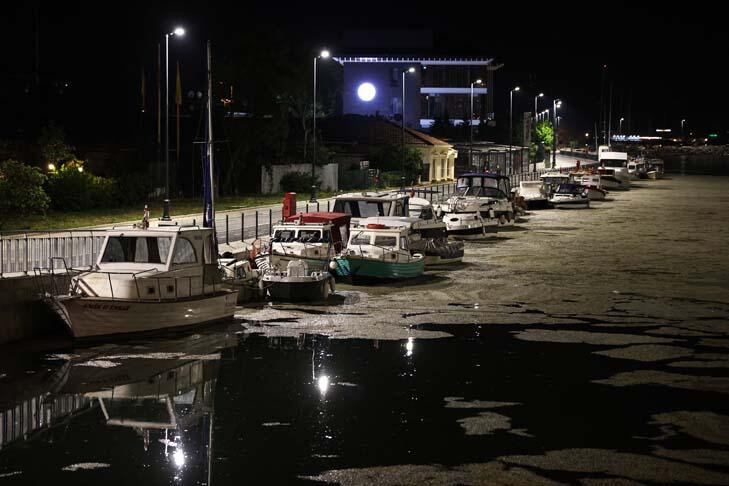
(612, 182)
(480, 206)
(552, 180)
(146, 280)
(591, 183)
(297, 283)
(240, 276)
(370, 204)
(570, 196)
(614, 164)
(655, 168)
(378, 251)
(637, 169)
(425, 236)
(535, 194)
(313, 237)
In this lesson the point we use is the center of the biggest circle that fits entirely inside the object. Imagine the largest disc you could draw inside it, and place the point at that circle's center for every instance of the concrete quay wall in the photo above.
(22, 313)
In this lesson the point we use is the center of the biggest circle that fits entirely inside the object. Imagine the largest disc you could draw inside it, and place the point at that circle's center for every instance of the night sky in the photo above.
(664, 63)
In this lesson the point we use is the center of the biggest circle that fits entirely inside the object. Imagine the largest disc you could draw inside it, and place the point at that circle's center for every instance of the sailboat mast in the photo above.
(209, 141)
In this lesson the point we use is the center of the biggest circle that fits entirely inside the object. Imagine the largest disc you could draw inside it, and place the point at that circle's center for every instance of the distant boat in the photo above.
(570, 196)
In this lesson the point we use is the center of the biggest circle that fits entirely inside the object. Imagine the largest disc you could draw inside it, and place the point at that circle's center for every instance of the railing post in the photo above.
(328, 205)
(317, 206)
(26, 254)
(307, 207)
(2, 255)
(270, 221)
(242, 226)
(256, 224)
(227, 232)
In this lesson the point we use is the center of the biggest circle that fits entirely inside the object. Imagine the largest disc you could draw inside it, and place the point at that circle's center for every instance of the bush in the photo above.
(132, 189)
(72, 189)
(299, 182)
(21, 190)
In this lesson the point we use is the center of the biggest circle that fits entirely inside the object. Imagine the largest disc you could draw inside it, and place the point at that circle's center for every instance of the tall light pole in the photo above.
(555, 104)
(179, 32)
(402, 128)
(324, 54)
(470, 127)
(540, 95)
(620, 126)
(511, 109)
(682, 123)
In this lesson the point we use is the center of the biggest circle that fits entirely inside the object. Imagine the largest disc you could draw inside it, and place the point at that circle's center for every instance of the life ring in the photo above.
(376, 226)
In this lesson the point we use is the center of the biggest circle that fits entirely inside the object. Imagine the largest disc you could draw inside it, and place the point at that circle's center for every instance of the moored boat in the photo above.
(378, 251)
(297, 283)
(570, 196)
(146, 280)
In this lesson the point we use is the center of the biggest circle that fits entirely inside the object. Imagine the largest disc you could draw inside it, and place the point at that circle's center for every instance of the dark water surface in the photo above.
(590, 348)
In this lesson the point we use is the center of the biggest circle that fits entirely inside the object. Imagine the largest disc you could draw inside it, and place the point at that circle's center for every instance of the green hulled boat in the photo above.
(376, 251)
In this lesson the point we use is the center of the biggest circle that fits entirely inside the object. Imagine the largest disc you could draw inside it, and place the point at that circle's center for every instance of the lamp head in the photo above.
(324, 54)
(478, 81)
(540, 95)
(516, 89)
(411, 69)
(179, 31)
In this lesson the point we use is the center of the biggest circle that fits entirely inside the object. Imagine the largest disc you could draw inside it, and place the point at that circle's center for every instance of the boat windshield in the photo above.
(137, 249)
(366, 209)
(613, 162)
(303, 236)
(360, 239)
(386, 241)
(569, 189)
(479, 187)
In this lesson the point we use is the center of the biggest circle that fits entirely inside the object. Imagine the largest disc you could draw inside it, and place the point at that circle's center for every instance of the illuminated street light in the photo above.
(402, 127)
(179, 32)
(620, 127)
(324, 54)
(540, 95)
(511, 106)
(555, 104)
(51, 167)
(470, 126)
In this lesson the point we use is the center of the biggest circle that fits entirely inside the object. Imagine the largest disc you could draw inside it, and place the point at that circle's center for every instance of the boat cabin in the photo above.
(372, 239)
(369, 204)
(608, 158)
(163, 263)
(323, 228)
(484, 184)
(572, 189)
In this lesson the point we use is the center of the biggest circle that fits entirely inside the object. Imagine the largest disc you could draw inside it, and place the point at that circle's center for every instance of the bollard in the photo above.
(2, 255)
(242, 226)
(270, 222)
(256, 224)
(194, 221)
(317, 206)
(307, 207)
(227, 233)
(328, 206)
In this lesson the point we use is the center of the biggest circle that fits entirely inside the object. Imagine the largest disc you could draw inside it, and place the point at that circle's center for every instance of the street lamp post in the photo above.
(324, 54)
(540, 95)
(555, 104)
(470, 127)
(179, 32)
(511, 107)
(682, 123)
(402, 129)
(620, 126)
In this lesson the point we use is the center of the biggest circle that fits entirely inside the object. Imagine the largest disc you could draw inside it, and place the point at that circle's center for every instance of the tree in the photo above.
(545, 133)
(21, 190)
(390, 158)
(53, 146)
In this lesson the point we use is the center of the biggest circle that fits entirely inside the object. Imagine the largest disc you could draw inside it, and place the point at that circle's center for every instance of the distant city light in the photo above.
(51, 167)
(366, 91)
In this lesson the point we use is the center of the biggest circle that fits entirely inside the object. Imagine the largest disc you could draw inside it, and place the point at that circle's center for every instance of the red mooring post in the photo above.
(289, 205)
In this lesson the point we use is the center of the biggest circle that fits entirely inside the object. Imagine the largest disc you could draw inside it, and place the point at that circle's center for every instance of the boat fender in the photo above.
(333, 265)
(376, 226)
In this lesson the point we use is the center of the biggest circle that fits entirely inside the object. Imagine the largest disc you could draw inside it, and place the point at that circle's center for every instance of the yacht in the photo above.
(592, 184)
(655, 168)
(369, 204)
(614, 165)
(146, 280)
(552, 180)
(535, 194)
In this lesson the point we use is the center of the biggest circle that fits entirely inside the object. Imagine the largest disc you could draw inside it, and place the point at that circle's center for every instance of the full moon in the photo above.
(366, 91)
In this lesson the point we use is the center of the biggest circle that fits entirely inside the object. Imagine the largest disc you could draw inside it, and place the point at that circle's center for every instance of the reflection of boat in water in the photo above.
(146, 280)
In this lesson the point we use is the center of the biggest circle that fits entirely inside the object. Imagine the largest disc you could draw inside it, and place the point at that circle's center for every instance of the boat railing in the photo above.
(136, 276)
(387, 250)
(330, 252)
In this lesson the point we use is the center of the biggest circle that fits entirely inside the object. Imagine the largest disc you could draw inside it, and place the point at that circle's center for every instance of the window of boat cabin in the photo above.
(184, 252)
(360, 239)
(284, 235)
(137, 249)
(313, 236)
(362, 209)
(386, 241)
(613, 162)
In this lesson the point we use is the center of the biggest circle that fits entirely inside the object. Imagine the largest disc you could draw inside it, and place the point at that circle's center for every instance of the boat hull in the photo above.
(304, 291)
(349, 267)
(574, 204)
(88, 317)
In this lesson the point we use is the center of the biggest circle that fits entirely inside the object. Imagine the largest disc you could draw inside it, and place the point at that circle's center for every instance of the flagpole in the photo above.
(210, 144)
